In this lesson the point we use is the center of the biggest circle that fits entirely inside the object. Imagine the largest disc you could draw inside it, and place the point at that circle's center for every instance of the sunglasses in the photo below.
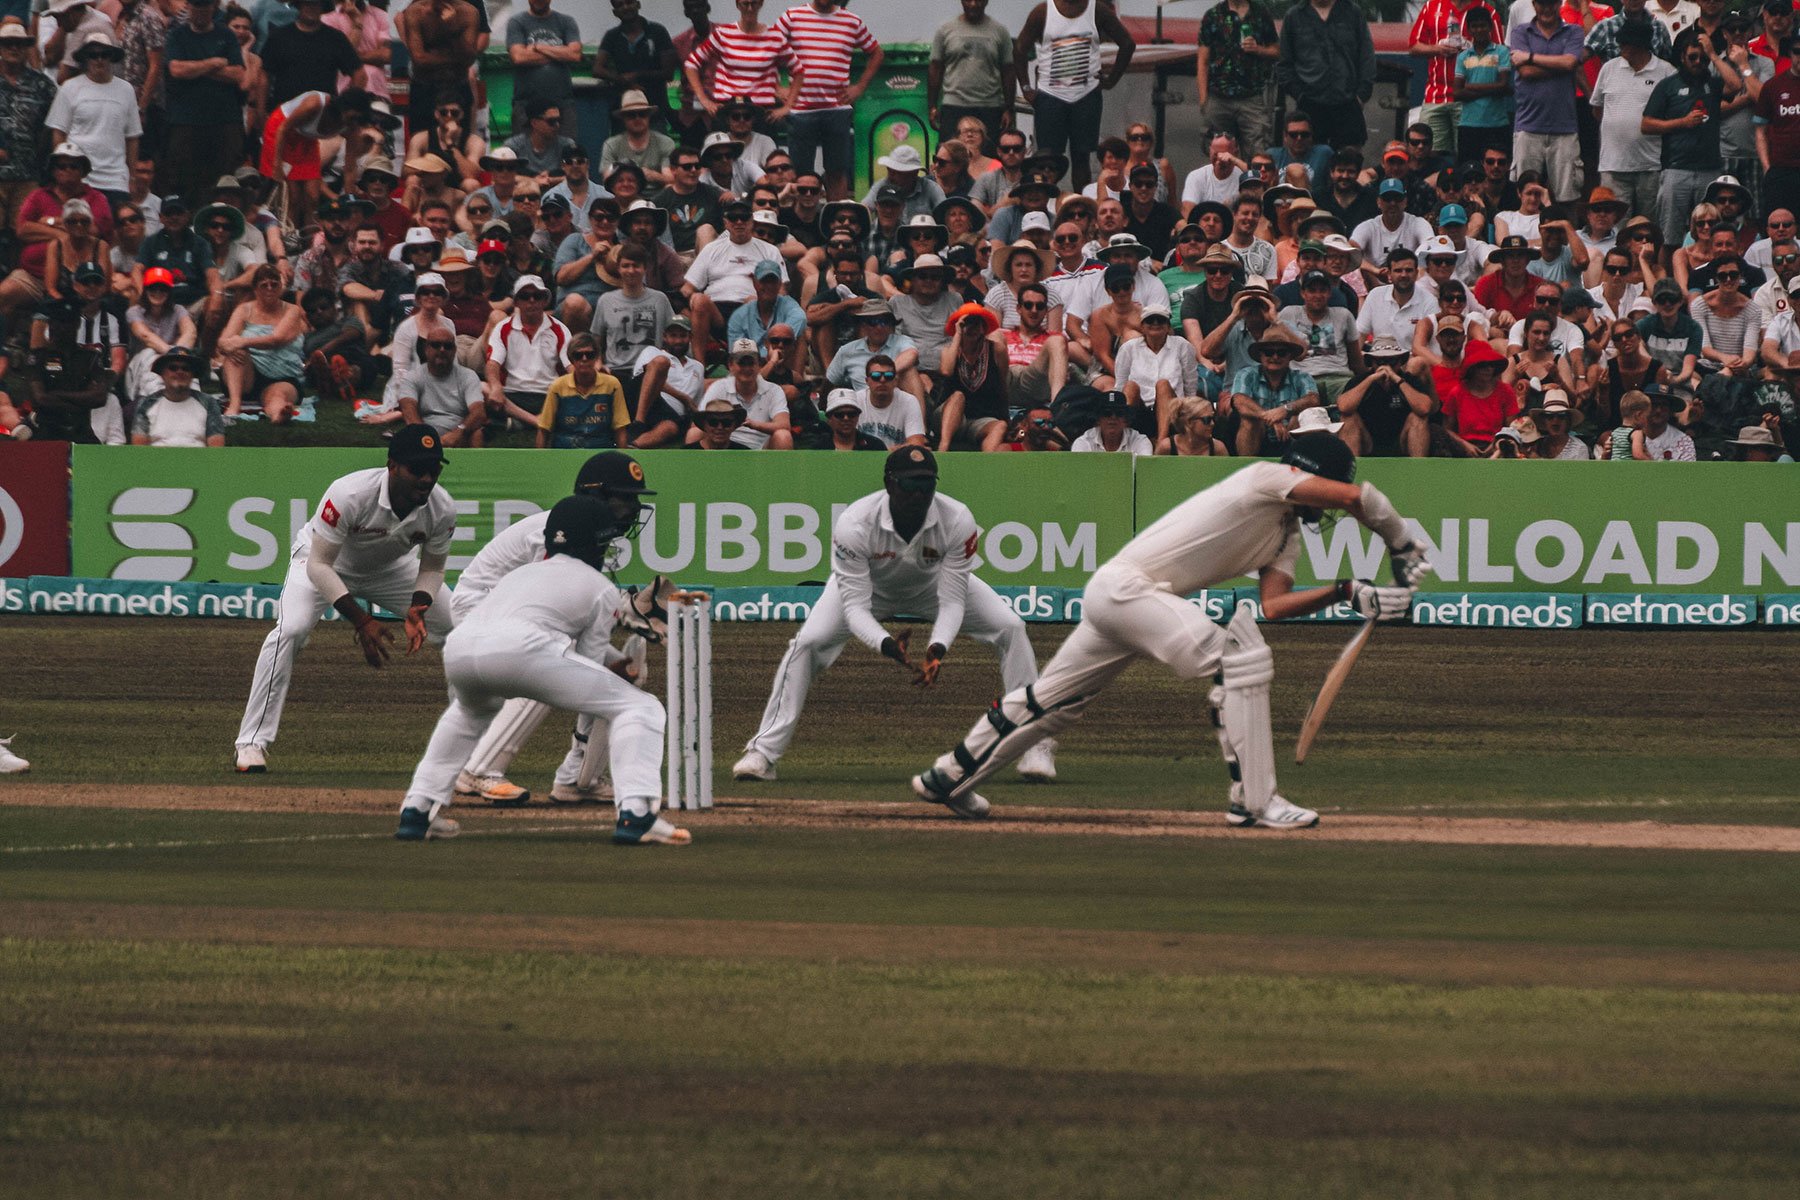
(881, 376)
(1206, 420)
(583, 355)
(226, 225)
(1139, 137)
(1043, 423)
(780, 341)
(1495, 162)
(1030, 306)
(808, 191)
(131, 220)
(1066, 239)
(686, 166)
(718, 422)
(1618, 270)
(943, 162)
(1723, 276)
(1006, 149)
(1641, 235)
(428, 292)
(1299, 133)
(1549, 299)
(1417, 142)
(479, 212)
(1703, 223)
(1785, 259)
(845, 414)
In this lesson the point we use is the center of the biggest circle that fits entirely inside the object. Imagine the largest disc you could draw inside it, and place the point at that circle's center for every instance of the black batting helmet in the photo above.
(1321, 454)
(581, 527)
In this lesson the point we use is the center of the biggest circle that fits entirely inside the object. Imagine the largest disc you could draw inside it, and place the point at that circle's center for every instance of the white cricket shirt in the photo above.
(557, 603)
(874, 566)
(1236, 527)
(356, 515)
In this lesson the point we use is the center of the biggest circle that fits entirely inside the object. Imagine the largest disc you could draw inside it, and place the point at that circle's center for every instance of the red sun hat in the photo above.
(971, 309)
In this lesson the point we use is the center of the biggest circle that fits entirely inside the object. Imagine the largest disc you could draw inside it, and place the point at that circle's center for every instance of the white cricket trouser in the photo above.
(488, 666)
(301, 608)
(1125, 616)
(987, 618)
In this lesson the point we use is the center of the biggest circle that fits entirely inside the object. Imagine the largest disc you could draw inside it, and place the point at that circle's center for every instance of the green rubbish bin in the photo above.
(893, 112)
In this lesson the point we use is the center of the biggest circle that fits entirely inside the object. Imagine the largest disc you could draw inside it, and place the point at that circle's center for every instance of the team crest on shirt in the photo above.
(329, 514)
(931, 554)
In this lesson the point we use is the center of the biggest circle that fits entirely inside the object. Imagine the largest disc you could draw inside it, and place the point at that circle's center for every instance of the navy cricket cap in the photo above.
(415, 445)
(910, 461)
(611, 473)
(1321, 454)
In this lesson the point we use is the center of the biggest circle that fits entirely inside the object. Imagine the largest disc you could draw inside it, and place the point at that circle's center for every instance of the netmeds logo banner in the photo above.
(1525, 610)
(1696, 610)
(760, 520)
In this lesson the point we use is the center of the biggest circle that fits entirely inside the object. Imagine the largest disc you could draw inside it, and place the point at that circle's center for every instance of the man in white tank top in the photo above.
(1065, 97)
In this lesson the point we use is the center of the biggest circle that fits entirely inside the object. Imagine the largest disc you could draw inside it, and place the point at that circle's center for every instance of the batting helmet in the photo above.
(581, 527)
(1321, 454)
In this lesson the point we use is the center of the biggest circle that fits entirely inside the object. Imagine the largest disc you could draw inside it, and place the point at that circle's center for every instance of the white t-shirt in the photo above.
(1384, 316)
(903, 418)
(879, 574)
(1671, 445)
(768, 403)
(357, 515)
(1676, 19)
(1232, 529)
(186, 422)
(687, 375)
(534, 361)
(1565, 337)
(1132, 443)
(1204, 184)
(722, 269)
(1621, 94)
(1378, 241)
(1087, 291)
(98, 117)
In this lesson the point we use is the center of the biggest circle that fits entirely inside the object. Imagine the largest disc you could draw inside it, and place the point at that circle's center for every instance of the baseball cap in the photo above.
(1159, 311)
(680, 323)
(415, 445)
(1114, 403)
(1395, 150)
(554, 202)
(745, 348)
(1452, 214)
(1142, 171)
(429, 279)
(1314, 279)
(174, 204)
(1391, 187)
(910, 462)
(768, 268)
(841, 398)
(1576, 299)
(1033, 221)
(529, 283)
(90, 272)
(1666, 289)
(1118, 275)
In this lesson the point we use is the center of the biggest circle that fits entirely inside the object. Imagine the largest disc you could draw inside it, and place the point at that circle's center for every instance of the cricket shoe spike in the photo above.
(929, 788)
(754, 766)
(417, 825)
(251, 760)
(497, 790)
(648, 830)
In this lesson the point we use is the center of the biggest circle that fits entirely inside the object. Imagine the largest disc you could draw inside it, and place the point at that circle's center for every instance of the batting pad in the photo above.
(517, 721)
(1014, 724)
(1245, 736)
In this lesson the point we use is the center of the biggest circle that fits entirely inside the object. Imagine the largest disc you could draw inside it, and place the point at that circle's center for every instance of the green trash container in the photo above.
(893, 111)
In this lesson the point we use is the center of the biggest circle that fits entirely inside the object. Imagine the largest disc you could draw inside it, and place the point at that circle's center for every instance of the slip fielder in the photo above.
(607, 474)
(904, 550)
(382, 534)
(1136, 606)
(539, 634)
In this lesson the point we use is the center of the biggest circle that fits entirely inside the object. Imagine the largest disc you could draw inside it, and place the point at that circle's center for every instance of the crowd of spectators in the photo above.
(1582, 248)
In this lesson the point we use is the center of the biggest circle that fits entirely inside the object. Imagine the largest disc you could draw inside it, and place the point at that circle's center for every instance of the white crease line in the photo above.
(280, 841)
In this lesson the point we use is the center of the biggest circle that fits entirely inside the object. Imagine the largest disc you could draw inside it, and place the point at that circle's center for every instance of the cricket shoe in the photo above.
(573, 793)
(497, 790)
(753, 766)
(10, 763)
(251, 760)
(1039, 763)
(1278, 814)
(648, 830)
(929, 788)
(417, 825)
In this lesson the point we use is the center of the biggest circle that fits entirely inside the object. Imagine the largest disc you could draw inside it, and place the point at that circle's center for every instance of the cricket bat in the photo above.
(1334, 682)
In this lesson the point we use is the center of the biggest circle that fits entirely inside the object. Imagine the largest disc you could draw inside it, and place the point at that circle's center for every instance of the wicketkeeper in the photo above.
(1136, 606)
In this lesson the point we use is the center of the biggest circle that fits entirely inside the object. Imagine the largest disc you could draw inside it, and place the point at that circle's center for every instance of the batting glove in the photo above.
(1380, 603)
(1410, 565)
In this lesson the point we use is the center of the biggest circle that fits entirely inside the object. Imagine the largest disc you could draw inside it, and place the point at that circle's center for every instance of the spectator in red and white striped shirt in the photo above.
(823, 36)
(1438, 36)
(748, 58)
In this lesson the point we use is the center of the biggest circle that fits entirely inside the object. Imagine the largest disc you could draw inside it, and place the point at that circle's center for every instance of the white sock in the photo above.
(636, 806)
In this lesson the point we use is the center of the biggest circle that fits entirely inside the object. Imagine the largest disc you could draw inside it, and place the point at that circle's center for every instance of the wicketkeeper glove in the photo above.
(1381, 603)
(646, 610)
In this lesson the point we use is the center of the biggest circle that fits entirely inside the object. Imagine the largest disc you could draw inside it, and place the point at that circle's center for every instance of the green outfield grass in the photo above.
(290, 1004)
(882, 1013)
(1592, 724)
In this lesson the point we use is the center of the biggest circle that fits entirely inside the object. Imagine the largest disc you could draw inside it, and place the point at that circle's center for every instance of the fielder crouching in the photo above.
(1136, 606)
(905, 549)
(539, 634)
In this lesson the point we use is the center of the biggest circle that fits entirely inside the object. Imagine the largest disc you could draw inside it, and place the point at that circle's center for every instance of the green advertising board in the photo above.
(721, 519)
(1550, 526)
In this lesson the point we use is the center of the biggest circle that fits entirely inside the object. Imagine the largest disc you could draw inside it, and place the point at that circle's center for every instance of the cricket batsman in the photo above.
(539, 634)
(1136, 606)
(905, 549)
